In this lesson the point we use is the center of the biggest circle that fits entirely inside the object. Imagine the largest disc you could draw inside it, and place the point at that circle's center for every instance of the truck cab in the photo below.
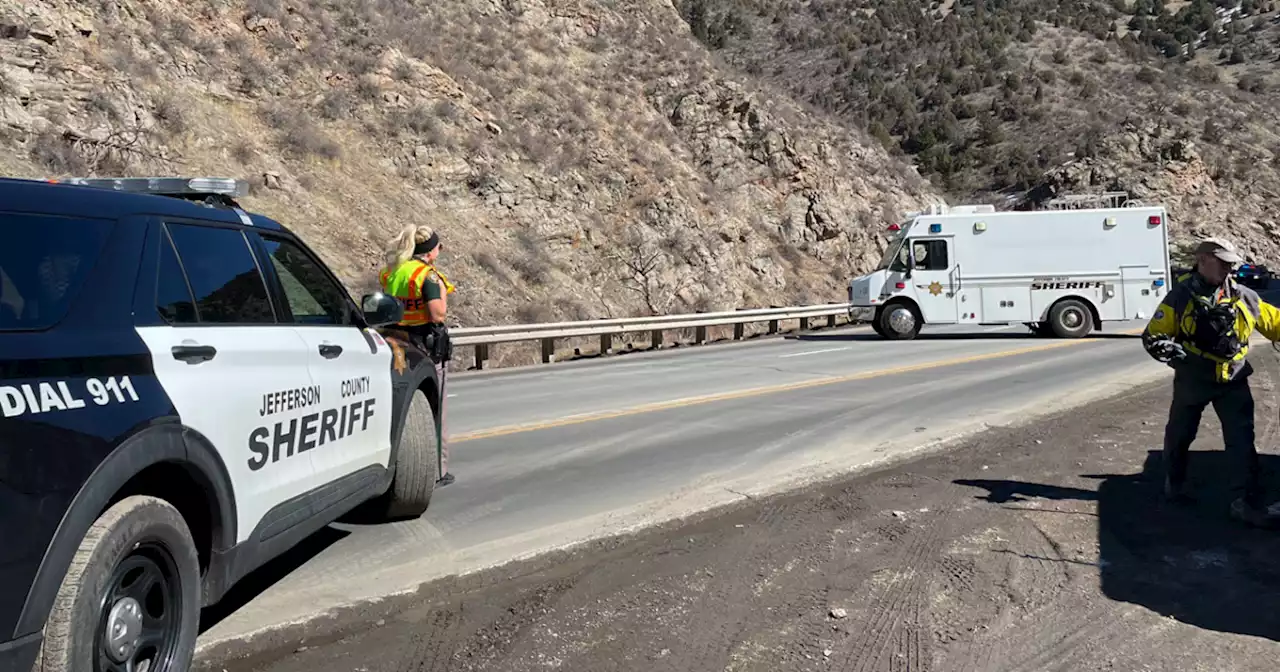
(917, 278)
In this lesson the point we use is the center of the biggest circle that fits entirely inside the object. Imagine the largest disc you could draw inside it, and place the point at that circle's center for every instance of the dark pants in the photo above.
(422, 338)
(1233, 403)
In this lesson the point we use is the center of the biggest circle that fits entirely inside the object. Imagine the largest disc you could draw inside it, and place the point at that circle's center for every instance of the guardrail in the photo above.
(484, 337)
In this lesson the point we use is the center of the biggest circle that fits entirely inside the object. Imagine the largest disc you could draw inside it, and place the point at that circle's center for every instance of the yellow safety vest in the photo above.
(405, 283)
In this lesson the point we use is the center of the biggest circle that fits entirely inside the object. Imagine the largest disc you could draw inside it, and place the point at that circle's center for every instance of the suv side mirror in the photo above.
(381, 310)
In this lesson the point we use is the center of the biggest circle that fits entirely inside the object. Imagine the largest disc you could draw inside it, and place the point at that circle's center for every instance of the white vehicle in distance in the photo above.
(1060, 271)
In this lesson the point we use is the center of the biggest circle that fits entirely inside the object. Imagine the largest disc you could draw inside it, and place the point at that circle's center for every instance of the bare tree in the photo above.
(641, 265)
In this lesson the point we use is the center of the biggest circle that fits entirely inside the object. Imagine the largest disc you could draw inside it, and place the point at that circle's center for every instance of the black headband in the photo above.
(427, 245)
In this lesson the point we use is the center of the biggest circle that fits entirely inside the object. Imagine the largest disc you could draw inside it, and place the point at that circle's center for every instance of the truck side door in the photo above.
(934, 279)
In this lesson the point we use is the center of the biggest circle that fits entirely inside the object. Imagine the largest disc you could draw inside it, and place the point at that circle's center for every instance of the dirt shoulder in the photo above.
(1038, 548)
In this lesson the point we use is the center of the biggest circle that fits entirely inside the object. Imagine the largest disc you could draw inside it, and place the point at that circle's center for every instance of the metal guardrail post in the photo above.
(482, 356)
(773, 326)
(655, 339)
(831, 321)
(739, 330)
(804, 324)
(606, 344)
(548, 350)
(700, 332)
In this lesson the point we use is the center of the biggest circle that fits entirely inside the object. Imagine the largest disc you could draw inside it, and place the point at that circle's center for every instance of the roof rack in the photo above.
(212, 191)
(1107, 199)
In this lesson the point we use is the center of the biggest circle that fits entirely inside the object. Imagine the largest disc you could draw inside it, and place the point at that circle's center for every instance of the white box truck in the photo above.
(1061, 272)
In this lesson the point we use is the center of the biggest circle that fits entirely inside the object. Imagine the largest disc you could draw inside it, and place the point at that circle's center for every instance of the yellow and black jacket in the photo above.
(1176, 318)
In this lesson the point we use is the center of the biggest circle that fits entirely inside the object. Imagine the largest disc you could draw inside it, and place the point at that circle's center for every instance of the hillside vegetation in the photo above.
(581, 159)
(1010, 101)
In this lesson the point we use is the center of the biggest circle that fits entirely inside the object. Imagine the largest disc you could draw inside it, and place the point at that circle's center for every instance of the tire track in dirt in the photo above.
(495, 638)
(710, 647)
(812, 600)
(891, 636)
(431, 649)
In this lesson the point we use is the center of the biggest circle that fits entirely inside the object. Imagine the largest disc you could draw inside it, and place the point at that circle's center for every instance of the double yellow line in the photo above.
(760, 391)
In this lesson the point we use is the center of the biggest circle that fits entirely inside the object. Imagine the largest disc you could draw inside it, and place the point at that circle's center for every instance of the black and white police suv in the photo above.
(186, 391)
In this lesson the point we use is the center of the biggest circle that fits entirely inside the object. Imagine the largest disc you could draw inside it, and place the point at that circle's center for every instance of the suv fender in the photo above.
(165, 442)
(411, 369)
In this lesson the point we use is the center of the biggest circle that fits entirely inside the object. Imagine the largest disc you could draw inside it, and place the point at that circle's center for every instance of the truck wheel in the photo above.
(899, 322)
(1070, 319)
(417, 463)
(131, 597)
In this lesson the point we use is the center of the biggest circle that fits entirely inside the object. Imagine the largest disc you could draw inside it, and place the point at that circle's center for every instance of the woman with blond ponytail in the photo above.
(411, 276)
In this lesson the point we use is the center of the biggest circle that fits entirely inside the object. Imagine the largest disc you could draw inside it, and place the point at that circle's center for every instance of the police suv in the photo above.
(186, 391)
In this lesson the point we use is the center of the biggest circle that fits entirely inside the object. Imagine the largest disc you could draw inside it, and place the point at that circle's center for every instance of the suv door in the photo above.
(352, 371)
(236, 375)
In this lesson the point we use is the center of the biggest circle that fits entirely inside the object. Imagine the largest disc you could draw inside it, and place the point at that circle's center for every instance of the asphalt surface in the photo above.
(564, 453)
(1045, 547)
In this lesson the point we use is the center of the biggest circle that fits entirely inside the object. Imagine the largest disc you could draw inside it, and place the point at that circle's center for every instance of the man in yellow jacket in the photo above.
(1202, 331)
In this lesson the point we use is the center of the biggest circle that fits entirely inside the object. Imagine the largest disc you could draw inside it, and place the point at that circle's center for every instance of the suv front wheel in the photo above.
(417, 463)
(131, 598)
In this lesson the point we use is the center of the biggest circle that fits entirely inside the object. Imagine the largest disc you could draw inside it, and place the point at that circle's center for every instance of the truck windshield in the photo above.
(892, 259)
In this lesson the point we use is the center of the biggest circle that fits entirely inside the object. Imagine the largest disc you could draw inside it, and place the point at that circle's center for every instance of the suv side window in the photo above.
(223, 274)
(173, 293)
(313, 297)
(45, 262)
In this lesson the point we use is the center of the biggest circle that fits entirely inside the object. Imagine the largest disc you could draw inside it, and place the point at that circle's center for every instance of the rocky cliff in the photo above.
(580, 159)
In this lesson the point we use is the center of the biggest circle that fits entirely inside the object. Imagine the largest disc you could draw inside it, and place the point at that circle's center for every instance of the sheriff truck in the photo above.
(1062, 271)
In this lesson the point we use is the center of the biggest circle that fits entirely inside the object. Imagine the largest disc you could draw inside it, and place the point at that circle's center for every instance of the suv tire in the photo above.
(417, 463)
(136, 572)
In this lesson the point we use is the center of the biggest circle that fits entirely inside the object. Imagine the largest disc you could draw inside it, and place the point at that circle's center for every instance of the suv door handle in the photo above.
(194, 354)
(329, 351)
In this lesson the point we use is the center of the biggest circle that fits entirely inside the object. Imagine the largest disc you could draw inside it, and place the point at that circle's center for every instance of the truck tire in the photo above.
(131, 594)
(417, 463)
(1070, 319)
(898, 322)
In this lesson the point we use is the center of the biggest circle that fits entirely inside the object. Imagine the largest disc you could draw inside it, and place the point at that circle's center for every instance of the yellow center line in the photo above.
(759, 391)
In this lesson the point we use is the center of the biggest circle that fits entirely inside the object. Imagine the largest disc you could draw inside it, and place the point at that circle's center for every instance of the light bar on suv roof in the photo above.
(165, 186)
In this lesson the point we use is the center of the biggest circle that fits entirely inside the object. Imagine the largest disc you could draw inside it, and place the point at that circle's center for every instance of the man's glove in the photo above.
(1166, 350)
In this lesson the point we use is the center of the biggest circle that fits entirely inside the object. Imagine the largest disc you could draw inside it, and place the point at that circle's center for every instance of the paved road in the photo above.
(1038, 548)
(557, 454)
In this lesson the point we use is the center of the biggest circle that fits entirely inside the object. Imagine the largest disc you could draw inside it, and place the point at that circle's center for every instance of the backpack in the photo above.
(1215, 328)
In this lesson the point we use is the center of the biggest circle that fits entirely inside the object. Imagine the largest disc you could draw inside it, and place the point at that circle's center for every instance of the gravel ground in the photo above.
(1038, 548)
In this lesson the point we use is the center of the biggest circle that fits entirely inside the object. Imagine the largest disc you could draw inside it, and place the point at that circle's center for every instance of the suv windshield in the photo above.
(44, 262)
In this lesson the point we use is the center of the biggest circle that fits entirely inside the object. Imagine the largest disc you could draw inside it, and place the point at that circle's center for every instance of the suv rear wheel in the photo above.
(131, 597)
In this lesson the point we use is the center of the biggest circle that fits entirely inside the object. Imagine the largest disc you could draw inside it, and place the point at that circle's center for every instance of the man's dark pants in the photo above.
(1233, 401)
